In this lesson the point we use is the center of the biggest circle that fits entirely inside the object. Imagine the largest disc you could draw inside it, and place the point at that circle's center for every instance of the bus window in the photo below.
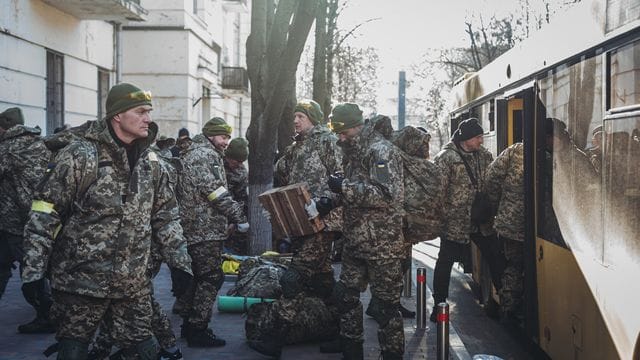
(625, 70)
(570, 209)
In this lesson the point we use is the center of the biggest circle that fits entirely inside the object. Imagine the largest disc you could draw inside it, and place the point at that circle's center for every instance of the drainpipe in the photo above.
(117, 50)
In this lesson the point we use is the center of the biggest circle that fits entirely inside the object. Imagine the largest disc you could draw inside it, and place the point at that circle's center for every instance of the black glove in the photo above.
(180, 282)
(32, 291)
(335, 183)
(324, 205)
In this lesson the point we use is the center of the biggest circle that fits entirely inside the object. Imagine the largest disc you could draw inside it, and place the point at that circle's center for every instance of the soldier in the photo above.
(163, 146)
(22, 165)
(205, 205)
(464, 162)
(91, 226)
(372, 191)
(238, 181)
(505, 187)
(312, 157)
(181, 142)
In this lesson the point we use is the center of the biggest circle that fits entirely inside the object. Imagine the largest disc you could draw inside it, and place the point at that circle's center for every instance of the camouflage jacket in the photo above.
(504, 184)
(460, 192)
(96, 240)
(423, 187)
(373, 193)
(205, 202)
(312, 160)
(22, 164)
(238, 180)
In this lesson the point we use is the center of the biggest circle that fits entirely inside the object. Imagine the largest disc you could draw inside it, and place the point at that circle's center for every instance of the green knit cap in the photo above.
(216, 126)
(123, 97)
(11, 117)
(238, 149)
(311, 109)
(345, 116)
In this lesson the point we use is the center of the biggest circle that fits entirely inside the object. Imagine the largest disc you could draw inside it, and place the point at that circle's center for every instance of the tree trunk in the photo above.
(320, 57)
(274, 48)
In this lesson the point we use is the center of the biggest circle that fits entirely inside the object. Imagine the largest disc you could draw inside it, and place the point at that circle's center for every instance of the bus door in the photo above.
(516, 123)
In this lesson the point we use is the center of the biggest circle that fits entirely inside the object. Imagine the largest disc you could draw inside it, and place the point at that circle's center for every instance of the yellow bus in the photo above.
(582, 202)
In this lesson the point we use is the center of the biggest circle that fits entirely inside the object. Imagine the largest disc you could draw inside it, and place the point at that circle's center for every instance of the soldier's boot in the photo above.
(203, 337)
(39, 325)
(266, 347)
(352, 349)
(406, 313)
(167, 355)
(98, 354)
(331, 347)
(70, 349)
(388, 355)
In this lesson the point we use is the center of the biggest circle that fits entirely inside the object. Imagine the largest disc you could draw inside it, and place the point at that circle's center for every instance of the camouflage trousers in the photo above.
(292, 321)
(78, 318)
(160, 325)
(10, 252)
(384, 277)
(312, 253)
(312, 262)
(513, 276)
(206, 263)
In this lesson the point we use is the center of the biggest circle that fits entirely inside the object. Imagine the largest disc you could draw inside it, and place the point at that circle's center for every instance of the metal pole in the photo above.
(421, 298)
(118, 51)
(442, 342)
(402, 84)
(406, 286)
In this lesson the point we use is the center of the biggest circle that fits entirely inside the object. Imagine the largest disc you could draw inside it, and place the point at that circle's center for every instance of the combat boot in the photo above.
(266, 347)
(203, 338)
(388, 355)
(351, 349)
(39, 325)
(166, 355)
(98, 354)
(406, 313)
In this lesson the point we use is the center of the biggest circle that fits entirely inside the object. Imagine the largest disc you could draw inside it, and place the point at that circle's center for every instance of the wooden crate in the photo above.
(288, 216)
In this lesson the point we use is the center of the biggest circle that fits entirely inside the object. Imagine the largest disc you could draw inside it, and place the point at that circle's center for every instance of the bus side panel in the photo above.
(571, 325)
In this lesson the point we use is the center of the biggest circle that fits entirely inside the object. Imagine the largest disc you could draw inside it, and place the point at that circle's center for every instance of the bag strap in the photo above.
(469, 172)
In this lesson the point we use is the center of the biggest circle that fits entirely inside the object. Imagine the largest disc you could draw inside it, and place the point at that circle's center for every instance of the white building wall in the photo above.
(27, 30)
(179, 48)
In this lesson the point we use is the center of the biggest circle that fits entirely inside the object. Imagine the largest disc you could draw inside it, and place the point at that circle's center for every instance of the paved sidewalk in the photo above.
(420, 344)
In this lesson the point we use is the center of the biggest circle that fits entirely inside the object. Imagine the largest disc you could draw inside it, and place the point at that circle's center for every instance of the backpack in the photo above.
(423, 211)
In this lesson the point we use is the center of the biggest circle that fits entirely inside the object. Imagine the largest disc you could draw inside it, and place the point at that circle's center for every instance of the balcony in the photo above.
(239, 6)
(235, 78)
(109, 10)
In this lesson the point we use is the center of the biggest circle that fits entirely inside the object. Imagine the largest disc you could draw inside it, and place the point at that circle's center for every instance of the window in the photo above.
(570, 209)
(55, 91)
(625, 76)
(103, 90)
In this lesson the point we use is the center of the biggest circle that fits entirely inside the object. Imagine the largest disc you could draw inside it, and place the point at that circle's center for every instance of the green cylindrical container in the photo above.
(238, 304)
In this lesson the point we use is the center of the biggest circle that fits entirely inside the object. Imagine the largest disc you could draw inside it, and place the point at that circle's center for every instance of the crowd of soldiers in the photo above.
(91, 212)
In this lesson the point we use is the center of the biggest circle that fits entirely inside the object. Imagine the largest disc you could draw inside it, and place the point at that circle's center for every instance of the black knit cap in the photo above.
(467, 129)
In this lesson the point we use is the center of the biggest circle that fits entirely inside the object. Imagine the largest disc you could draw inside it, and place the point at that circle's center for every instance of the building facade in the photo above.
(57, 57)
(191, 55)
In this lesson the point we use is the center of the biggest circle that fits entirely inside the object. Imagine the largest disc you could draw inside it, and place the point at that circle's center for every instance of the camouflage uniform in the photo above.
(238, 180)
(458, 229)
(373, 194)
(505, 186)
(95, 241)
(311, 159)
(22, 164)
(204, 217)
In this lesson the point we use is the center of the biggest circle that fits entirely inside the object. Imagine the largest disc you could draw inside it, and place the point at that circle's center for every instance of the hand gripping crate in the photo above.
(288, 216)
